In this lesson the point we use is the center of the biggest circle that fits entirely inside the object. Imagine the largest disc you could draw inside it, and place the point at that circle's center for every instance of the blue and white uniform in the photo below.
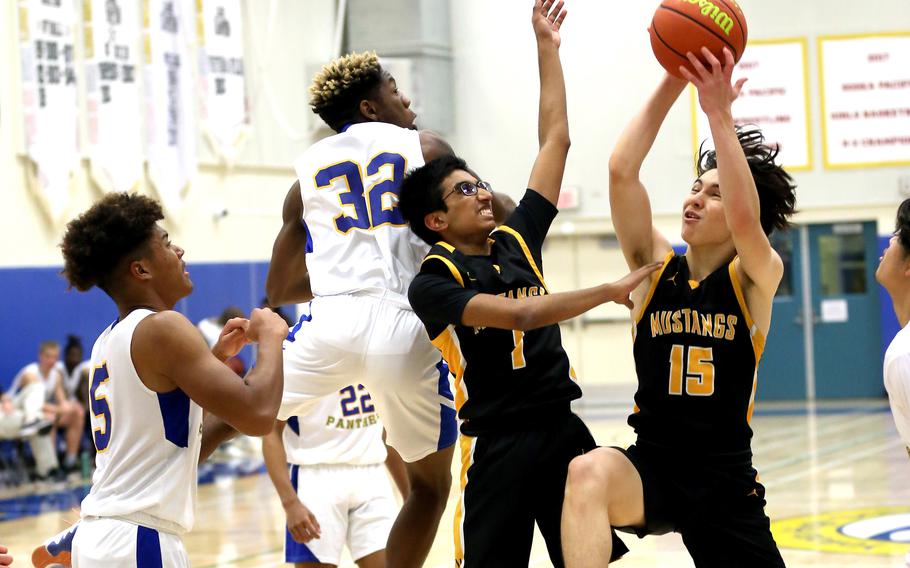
(337, 466)
(360, 327)
(144, 487)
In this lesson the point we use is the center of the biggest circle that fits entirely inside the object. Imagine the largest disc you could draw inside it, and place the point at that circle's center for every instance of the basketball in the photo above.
(681, 26)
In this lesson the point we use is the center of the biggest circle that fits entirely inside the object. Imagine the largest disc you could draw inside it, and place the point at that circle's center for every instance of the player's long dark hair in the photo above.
(96, 241)
(776, 190)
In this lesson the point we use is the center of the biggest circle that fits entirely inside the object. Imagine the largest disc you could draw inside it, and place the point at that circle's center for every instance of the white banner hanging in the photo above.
(49, 100)
(171, 128)
(865, 88)
(112, 35)
(775, 99)
(225, 119)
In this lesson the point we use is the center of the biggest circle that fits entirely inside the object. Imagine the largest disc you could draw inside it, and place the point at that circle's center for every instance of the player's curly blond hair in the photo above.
(339, 87)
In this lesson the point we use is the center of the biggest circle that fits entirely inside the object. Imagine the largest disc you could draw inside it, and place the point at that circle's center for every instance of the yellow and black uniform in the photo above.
(512, 391)
(696, 354)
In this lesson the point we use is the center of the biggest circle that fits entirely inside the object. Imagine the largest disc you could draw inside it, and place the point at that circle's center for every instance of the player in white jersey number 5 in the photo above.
(152, 374)
(345, 244)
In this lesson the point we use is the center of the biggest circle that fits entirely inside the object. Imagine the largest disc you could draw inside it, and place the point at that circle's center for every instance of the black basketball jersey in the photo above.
(502, 377)
(696, 354)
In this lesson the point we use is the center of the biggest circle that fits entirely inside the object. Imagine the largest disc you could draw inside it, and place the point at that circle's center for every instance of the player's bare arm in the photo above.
(288, 281)
(249, 405)
(522, 314)
(759, 266)
(553, 118)
(301, 522)
(630, 208)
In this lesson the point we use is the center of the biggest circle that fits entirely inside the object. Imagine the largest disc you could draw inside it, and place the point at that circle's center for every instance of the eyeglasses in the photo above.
(469, 188)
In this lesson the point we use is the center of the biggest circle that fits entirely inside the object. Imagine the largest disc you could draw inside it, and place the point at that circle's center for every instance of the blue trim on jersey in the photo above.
(175, 414)
(64, 544)
(297, 551)
(148, 548)
(296, 328)
(345, 127)
(295, 471)
(448, 427)
(294, 425)
(309, 238)
(443, 387)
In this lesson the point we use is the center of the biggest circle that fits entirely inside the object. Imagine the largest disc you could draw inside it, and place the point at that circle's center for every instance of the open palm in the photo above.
(547, 19)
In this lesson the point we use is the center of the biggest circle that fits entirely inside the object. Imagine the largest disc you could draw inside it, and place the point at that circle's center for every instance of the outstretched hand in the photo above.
(547, 19)
(621, 289)
(716, 91)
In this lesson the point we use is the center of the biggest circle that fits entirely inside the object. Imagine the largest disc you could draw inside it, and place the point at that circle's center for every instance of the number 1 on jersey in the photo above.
(699, 375)
(518, 354)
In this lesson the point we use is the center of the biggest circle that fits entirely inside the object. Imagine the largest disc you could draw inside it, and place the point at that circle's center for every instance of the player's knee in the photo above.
(432, 488)
(587, 473)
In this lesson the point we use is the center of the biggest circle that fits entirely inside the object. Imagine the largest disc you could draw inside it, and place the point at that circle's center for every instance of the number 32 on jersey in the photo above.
(699, 370)
(369, 210)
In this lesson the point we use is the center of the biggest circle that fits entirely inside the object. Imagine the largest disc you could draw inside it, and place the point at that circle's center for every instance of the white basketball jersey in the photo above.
(341, 429)
(349, 185)
(148, 442)
(49, 380)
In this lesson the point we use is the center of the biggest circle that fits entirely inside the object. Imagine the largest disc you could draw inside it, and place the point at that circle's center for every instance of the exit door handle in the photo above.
(798, 320)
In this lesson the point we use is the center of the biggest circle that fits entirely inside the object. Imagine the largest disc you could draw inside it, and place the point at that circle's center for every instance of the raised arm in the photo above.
(739, 196)
(553, 118)
(288, 281)
(249, 404)
(630, 207)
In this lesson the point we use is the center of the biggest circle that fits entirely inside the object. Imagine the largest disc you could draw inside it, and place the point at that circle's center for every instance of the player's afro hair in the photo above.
(776, 190)
(96, 241)
(337, 90)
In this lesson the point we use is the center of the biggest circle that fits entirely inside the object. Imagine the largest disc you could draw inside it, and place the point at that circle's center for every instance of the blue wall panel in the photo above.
(36, 306)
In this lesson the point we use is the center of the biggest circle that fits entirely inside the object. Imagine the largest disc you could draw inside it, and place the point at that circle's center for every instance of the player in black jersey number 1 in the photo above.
(700, 328)
(482, 296)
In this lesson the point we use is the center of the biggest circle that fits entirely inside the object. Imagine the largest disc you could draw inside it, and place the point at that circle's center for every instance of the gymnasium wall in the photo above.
(609, 70)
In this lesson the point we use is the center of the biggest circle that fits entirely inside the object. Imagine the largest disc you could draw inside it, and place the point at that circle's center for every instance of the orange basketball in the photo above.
(680, 26)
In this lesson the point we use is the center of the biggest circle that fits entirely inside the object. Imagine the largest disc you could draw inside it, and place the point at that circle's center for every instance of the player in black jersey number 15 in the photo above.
(700, 328)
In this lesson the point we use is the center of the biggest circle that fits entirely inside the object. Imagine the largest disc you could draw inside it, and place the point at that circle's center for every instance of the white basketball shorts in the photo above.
(113, 543)
(353, 505)
(378, 342)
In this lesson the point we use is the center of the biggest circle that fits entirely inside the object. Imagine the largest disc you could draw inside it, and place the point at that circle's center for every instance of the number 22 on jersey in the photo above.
(699, 370)
(369, 210)
(100, 408)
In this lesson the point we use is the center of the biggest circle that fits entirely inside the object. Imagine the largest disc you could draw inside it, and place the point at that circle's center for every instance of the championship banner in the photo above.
(171, 129)
(112, 36)
(225, 121)
(865, 88)
(49, 100)
(775, 99)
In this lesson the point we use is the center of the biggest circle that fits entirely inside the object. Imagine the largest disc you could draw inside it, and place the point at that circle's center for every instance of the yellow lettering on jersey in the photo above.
(696, 328)
(677, 323)
(731, 327)
(706, 325)
(719, 326)
(689, 321)
(329, 421)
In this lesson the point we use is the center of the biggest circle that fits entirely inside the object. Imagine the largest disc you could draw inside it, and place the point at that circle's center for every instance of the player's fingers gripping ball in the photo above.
(682, 26)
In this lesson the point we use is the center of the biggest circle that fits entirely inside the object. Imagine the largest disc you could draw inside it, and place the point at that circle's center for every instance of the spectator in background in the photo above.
(77, 370)
(211, 327)
(67, 414)
(22, 417)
